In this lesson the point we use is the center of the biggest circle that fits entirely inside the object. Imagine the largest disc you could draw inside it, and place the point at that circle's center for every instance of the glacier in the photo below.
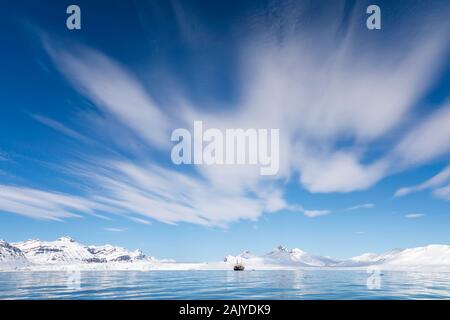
(67, 254)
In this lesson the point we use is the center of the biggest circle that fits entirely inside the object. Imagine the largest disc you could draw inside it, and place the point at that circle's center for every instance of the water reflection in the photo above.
(295, 284)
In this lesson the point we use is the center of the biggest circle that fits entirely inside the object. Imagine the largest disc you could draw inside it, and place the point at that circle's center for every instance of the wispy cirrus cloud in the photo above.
(428, 140)
(314, 83)
(171, 197)
(321, 98)
(443, 193)
(139, 220)
(362, 206)
(310, 213)
(113, 90)
(434, 182)
(316, 213)
(414, 215)
(115, 229)
(3, 156)
(58, 126)
(46, 205)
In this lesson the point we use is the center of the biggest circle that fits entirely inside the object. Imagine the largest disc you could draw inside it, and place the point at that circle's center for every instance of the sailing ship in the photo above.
(238, 266)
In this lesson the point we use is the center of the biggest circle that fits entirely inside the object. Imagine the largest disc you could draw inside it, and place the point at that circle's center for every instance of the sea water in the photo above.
(285, 284)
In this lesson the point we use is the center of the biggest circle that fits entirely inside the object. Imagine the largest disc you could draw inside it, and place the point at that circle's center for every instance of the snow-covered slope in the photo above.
(244, 256)
(66, 251)
(432, 255)
(428, 256)
(297, 257)
(62, 251)
(281, 256)
(11, 257)
(110, 253)
(367, 259)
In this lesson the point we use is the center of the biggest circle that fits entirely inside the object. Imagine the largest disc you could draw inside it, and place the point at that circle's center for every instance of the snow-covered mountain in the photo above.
(244, 256)
(367, 259)
(108, 253)
(66, 253)
(65, 250)
(428, 256)
(283, 257)
(431, 255)
(11, 257)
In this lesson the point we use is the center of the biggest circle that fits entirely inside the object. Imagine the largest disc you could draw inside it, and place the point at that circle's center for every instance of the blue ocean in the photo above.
(298, 284)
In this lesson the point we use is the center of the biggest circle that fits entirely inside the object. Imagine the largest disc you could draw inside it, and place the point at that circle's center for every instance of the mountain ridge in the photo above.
(66, 252)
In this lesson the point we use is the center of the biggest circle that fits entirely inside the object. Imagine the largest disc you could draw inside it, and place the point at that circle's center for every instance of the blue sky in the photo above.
(364, 119)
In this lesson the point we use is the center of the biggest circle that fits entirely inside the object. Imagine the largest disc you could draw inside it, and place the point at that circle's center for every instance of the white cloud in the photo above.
(434, 182)
(115, 229)
(212, 196)
(319, 90)
(316, 213)
(443, 193)
(45, 205)
(362, 206)
(3, 156)
(428, 140)
(112, 89)
(337, 172)
(171, 197)
(308, 212)
(62, 128)
(139, 220)
(414, 215)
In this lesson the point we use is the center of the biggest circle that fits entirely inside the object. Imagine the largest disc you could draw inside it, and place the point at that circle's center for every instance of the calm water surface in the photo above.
(300, 284)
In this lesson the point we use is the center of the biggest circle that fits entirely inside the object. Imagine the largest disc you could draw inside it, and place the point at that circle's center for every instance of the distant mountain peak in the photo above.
(66, 239)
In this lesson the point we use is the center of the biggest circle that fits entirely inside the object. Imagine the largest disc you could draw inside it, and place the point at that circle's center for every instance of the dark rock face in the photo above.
(122, 258)
(96, 260)
(43, 250)
(10, 254)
